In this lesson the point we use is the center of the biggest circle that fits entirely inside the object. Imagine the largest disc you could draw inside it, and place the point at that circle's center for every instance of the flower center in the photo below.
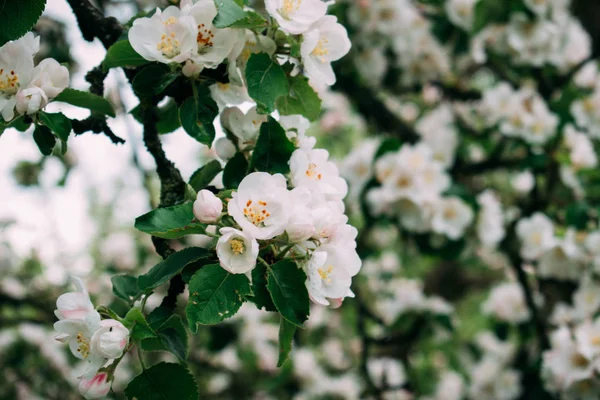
(403, 182)
(204, 38)
(312, 172)
(256, 212)
(168, 45)
(579, 361)
(237, 246)
(83, 345)
(596, 340)
(536, 238)
(324, 273)
(289, 7)
(9, 82)
(450, 213)
(321, 50)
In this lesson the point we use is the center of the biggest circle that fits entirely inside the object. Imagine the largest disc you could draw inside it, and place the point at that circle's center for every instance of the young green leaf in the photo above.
(302, 99)
(121, 54)
(44, 139)
(273, 149)
(286, 336)
(286, 283)
(125, 287)
(266, 82)
(203, 176)
(197, 115)
(86, 100)
(153, 79)
(235, 171)
(170, 222)
(136, 322)
(229, 11)
(58, 123)
(215, 295)
(171, 266)
(164, 381)
(18, 17)
(252, 20)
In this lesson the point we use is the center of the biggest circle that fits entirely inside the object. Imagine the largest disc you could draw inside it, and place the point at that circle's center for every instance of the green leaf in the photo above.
(489, 11)
(261, 296)
(58, 123)
(137, 324)
(229, 11)
(235, 171)
(273, 149)
(197, 115)
(577, 215)
(302, 99)
(170, 222)
(389, 145)
(18, 17)
(125, 287)
(16, 123)
(121, 54)
(266, 82)
(167, 117)
(86, 100)
(203, 176)
(286, 283)
(153, 79)
(286, 336)
(171, 337)
(252, 20)
(171, 266)
(215, 295)
(44, 139)
(164, 381)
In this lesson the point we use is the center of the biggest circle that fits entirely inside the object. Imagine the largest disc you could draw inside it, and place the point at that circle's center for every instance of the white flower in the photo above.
(587, 337)
(300, 226)
(110, 339)
(95, 388)
(16, 71)
(461, 12)
(244, 126)
(31, 100)
(51, 77)
(523, 181)
(536, 234)
(74, 305)
(586, 113)
(586, 298)
(490, 224)
(357, 167)
(451, 216)
(329, 274)
(325, 42)
(562, 260)
(506, 303)
(313, 170)
(386, 371)
(582, 153)
(237, 251)
(207, 207)
(261, 205)
(227, 94)
(169, 36)
(296, 16)
(213, 45)
(438, 131)
(78, 334)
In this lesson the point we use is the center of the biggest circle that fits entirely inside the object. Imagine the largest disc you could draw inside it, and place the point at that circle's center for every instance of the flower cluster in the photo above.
(307, 220)
(26, 88)
(187, 35)
(90, 338)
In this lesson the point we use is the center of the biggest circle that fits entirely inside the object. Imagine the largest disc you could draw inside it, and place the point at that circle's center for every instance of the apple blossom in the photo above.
(327, 276)
(261, 205)
(313, 170)
(536, 234)
(169, 36)
(237, 251)
(16, 71)
(207, 207)
(506, 303)
(110, 339)
(74, 305)
(451, 216)
(244, 126)
(326, 41)
(96, 387)
(296, 16)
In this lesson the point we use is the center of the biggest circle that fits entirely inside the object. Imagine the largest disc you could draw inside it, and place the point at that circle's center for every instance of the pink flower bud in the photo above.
(95, 388)
(207, 207)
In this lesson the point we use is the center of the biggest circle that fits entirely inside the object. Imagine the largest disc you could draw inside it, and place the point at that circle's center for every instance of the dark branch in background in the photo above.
(93, 24)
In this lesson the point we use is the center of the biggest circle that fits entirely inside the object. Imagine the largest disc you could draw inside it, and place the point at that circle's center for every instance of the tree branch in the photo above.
(93, 24)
